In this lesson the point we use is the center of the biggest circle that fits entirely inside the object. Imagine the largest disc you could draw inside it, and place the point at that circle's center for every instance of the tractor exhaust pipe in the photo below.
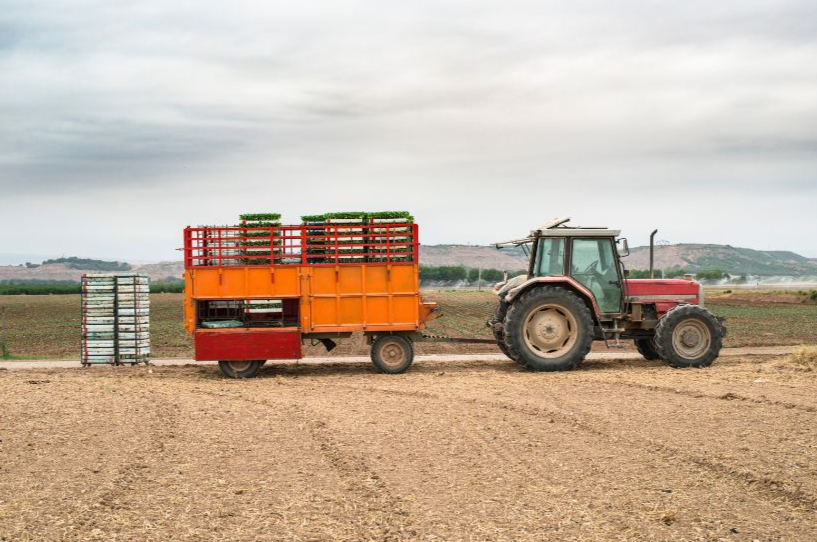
(652, 254)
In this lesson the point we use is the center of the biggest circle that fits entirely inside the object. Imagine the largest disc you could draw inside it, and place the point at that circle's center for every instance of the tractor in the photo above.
(577, 291)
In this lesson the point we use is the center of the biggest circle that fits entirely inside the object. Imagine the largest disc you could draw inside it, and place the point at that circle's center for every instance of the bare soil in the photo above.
(448, 451)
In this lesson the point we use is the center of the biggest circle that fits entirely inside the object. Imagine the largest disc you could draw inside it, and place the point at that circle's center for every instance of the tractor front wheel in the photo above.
(646, 347)
(392, 354)
(549, 329)
(689, 336)
(241, 369)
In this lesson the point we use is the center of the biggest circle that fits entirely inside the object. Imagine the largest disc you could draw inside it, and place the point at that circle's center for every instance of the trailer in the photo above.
(257, 293)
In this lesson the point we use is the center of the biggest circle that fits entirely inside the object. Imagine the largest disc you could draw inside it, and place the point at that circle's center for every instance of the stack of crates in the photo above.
(221, 248)
(115, 319)
(263, 245)
(399, 239)
(347, 236)
(315, 247)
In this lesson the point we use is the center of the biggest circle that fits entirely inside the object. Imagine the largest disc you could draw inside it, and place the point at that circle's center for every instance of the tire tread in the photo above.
(515, 319)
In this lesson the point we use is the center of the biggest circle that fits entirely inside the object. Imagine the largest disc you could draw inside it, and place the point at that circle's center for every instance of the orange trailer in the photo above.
(256, 294)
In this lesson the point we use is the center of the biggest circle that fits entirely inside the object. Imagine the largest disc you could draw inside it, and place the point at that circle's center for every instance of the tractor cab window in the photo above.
(551, 257)
(593, 264)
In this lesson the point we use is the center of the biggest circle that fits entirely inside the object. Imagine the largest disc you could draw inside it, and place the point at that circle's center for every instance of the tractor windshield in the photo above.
(551, 257)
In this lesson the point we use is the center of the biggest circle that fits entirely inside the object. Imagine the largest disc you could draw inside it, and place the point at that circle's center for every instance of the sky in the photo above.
(122, 122)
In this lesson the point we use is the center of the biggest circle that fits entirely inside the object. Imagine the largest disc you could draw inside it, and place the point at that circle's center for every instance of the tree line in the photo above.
(63, 287)
(460, 273)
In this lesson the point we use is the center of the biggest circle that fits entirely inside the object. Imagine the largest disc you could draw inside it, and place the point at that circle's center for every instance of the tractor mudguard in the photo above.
(569, 282)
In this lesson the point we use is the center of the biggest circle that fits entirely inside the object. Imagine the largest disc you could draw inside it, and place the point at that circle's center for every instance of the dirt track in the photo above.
(454, 451)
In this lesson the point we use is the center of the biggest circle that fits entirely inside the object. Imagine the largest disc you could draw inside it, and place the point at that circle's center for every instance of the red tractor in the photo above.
(576, 291)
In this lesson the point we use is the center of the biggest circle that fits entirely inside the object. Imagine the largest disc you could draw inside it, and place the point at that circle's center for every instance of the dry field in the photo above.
(448, 451)
(48, 327)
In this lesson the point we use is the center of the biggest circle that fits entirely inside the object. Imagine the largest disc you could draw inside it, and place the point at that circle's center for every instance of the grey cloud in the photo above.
(571, 100)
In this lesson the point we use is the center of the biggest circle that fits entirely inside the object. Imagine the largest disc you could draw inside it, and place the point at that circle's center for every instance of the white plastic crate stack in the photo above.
(115, 318)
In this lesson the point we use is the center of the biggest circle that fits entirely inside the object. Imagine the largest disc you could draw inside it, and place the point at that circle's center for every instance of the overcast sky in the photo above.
(121, 122)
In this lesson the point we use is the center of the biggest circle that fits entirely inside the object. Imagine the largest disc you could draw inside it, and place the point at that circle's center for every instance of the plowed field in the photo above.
(448, 451)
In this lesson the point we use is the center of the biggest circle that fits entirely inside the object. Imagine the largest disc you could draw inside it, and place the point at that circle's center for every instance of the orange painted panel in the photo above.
(351, 311)
(243, 282)
(280, 282)
(378, 310)
(376, 282)
(189, 311)
(204, 283)
(403, 279)
(324, 281)
(350, 280)
(366, 297)
(404, 309)
(324, 311)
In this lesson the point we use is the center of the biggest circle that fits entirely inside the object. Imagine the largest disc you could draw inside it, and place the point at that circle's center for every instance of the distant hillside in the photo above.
(507, 259)
(732, 260)
(691, 257)
(72, 270)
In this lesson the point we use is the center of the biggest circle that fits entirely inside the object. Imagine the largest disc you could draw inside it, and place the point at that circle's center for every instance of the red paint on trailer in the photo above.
(247, 344)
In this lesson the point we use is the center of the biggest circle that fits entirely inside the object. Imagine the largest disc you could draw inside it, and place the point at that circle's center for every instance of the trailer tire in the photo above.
(689, 336)
(646, 347)
(240, 369)
(564, 328)
(392, 354)
(499, 332)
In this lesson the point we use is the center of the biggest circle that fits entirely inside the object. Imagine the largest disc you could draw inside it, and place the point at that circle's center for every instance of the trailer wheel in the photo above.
(499, 332)
(392, 354)
(689, 336)
(549, 329)
(241, 369)
(646, 347)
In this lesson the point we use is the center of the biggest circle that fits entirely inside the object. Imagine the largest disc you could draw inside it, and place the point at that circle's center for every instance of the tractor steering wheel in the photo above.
(592, 269)
(593, 273)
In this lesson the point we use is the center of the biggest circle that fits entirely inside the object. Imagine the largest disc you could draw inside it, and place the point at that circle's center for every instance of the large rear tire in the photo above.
(549, 329)
(689, 336)
(241, 369)
(646, 347)
(499, 331)
(392, 354)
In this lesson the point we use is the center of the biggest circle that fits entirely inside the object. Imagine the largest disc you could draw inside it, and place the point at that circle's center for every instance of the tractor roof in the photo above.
(557, 228)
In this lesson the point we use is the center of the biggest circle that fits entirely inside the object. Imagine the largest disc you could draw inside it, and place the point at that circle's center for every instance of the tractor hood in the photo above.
(664, 290)
(502, 288)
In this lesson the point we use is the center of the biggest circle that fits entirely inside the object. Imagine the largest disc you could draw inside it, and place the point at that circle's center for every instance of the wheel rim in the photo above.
(550, 331)
(392, 354)
(691, 339)
(240, 366)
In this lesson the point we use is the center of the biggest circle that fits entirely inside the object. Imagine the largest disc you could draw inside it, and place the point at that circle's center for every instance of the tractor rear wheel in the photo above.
(392, 354)
(689, 336)
(499, 331)
(548, 329)
(241, 369)
(646, 347)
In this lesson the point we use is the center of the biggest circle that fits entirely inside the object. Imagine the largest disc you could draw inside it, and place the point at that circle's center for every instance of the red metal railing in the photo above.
(324, 244)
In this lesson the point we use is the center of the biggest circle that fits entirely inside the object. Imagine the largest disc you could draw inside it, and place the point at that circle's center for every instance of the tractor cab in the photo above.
(576, 291)
(589, 256)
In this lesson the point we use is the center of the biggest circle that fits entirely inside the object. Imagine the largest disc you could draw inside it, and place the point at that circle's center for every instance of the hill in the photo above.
(487, 257)
(732, 260)
(72, 269)
(691, 257)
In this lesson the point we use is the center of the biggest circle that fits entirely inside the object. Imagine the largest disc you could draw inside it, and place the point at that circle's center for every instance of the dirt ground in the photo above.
(448, 451)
